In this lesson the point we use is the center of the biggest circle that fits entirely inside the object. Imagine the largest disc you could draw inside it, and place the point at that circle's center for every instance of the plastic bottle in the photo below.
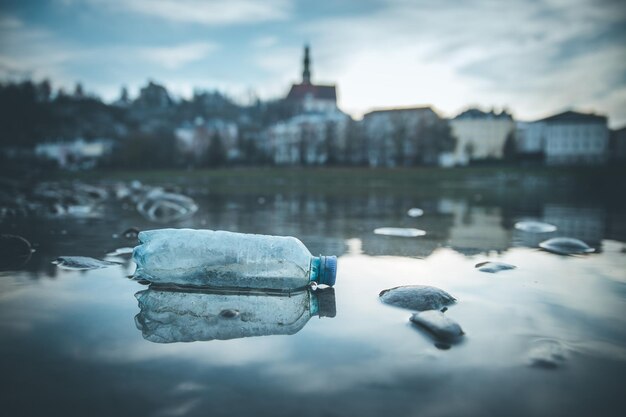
(219, 259)
(168, 316)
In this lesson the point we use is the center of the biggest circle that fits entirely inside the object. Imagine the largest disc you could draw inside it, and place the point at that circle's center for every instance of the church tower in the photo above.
(306, 73)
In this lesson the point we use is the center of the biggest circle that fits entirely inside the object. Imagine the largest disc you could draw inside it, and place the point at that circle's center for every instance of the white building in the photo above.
(480, 135)
(568, 138)
(391, 134)
(75, 154)
(309, 138)
(193, 139)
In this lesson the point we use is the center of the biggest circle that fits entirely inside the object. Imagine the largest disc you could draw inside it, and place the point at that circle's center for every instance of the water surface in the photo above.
(70, 344)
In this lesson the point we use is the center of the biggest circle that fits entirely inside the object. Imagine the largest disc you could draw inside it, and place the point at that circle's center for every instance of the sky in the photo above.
(532, 57)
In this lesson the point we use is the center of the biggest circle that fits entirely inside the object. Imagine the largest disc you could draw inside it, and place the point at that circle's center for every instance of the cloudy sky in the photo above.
(534, 57)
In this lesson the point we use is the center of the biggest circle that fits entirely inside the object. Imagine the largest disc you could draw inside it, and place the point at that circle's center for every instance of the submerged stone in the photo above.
(493, 267)
(441, 326)
(535, 227)
(415, 212)
(566, 246)
(399, 231)
(417, 297)
(546, 354)
(81, 263)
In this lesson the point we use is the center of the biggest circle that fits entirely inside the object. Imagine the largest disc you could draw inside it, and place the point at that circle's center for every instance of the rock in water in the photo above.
(535, 227)
(417, 297)
(415, 212)
(15, 251)
(399, 231)
(442, 327)
(81, 263)
(566, 246)
(493, 267)
(546, 354)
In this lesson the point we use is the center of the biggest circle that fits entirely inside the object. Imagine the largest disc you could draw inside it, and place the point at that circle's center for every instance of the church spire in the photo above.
(306, 73)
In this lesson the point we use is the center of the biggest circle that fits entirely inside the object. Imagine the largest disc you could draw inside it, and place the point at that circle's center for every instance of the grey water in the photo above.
(545, 338)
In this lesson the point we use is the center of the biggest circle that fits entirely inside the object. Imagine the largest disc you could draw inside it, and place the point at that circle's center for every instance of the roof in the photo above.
(321, 92)
(399, 110)
(574, 117)
(479, 114)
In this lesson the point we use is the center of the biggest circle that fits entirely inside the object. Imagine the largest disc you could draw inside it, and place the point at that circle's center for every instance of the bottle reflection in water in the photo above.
(219, 259)
(169, 316)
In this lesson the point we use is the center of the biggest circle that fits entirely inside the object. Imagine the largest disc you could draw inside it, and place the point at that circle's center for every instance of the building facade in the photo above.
(316, 134)
(571, 138)
(391, 135)
(480, 135)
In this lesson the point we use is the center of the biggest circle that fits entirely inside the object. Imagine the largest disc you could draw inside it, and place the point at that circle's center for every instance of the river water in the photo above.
(547, 338)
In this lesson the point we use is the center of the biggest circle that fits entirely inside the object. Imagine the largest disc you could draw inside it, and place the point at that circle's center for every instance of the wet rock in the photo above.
(417, 297)
(81, 263)
(535, 227)
(15, 251)
(415, 212)
(547, 354)
(566, 246)
(229, 314)
(493, 267)
(439, 325)
(399, 231)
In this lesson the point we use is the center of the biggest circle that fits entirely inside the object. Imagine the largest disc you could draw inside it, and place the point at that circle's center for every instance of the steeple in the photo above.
(306, 74)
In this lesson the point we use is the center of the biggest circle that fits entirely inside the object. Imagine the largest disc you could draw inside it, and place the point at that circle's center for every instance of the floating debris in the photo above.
(417, 297)
(121, 251)
(81, 263)
(535, 227)
(399, 231)
(442, 327)
(546, 354)
(415, 212)
(566, 246)
(15, 251)
(493, 267)
(160, 206)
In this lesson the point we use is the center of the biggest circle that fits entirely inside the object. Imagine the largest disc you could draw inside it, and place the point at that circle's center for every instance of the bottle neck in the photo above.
(323, 270)
(316, 269)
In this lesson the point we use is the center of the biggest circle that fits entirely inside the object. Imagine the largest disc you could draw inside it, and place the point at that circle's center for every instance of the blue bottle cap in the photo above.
(328, 270)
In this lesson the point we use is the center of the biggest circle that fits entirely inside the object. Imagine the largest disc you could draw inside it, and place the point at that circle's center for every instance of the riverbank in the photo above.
(588, 179)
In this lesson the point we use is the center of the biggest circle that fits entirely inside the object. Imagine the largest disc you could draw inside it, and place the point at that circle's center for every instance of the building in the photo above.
(392, 135)
(75, 154)
(617, 148)
(572, 138)
(309, 138)
(309, 97)
(480, 135)
(316, 134)
(193, 139)
(154, 96)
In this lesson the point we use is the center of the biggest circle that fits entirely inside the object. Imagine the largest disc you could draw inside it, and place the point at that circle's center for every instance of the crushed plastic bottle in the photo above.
(169, 316)
(220, 259)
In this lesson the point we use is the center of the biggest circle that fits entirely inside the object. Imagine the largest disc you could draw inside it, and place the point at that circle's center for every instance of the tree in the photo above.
(216, 153)
(433, 137)
(509, 150)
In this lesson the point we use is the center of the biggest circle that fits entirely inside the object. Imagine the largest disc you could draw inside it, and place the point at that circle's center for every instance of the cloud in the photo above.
(175, 57)
(204, 11)
(484, 52)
